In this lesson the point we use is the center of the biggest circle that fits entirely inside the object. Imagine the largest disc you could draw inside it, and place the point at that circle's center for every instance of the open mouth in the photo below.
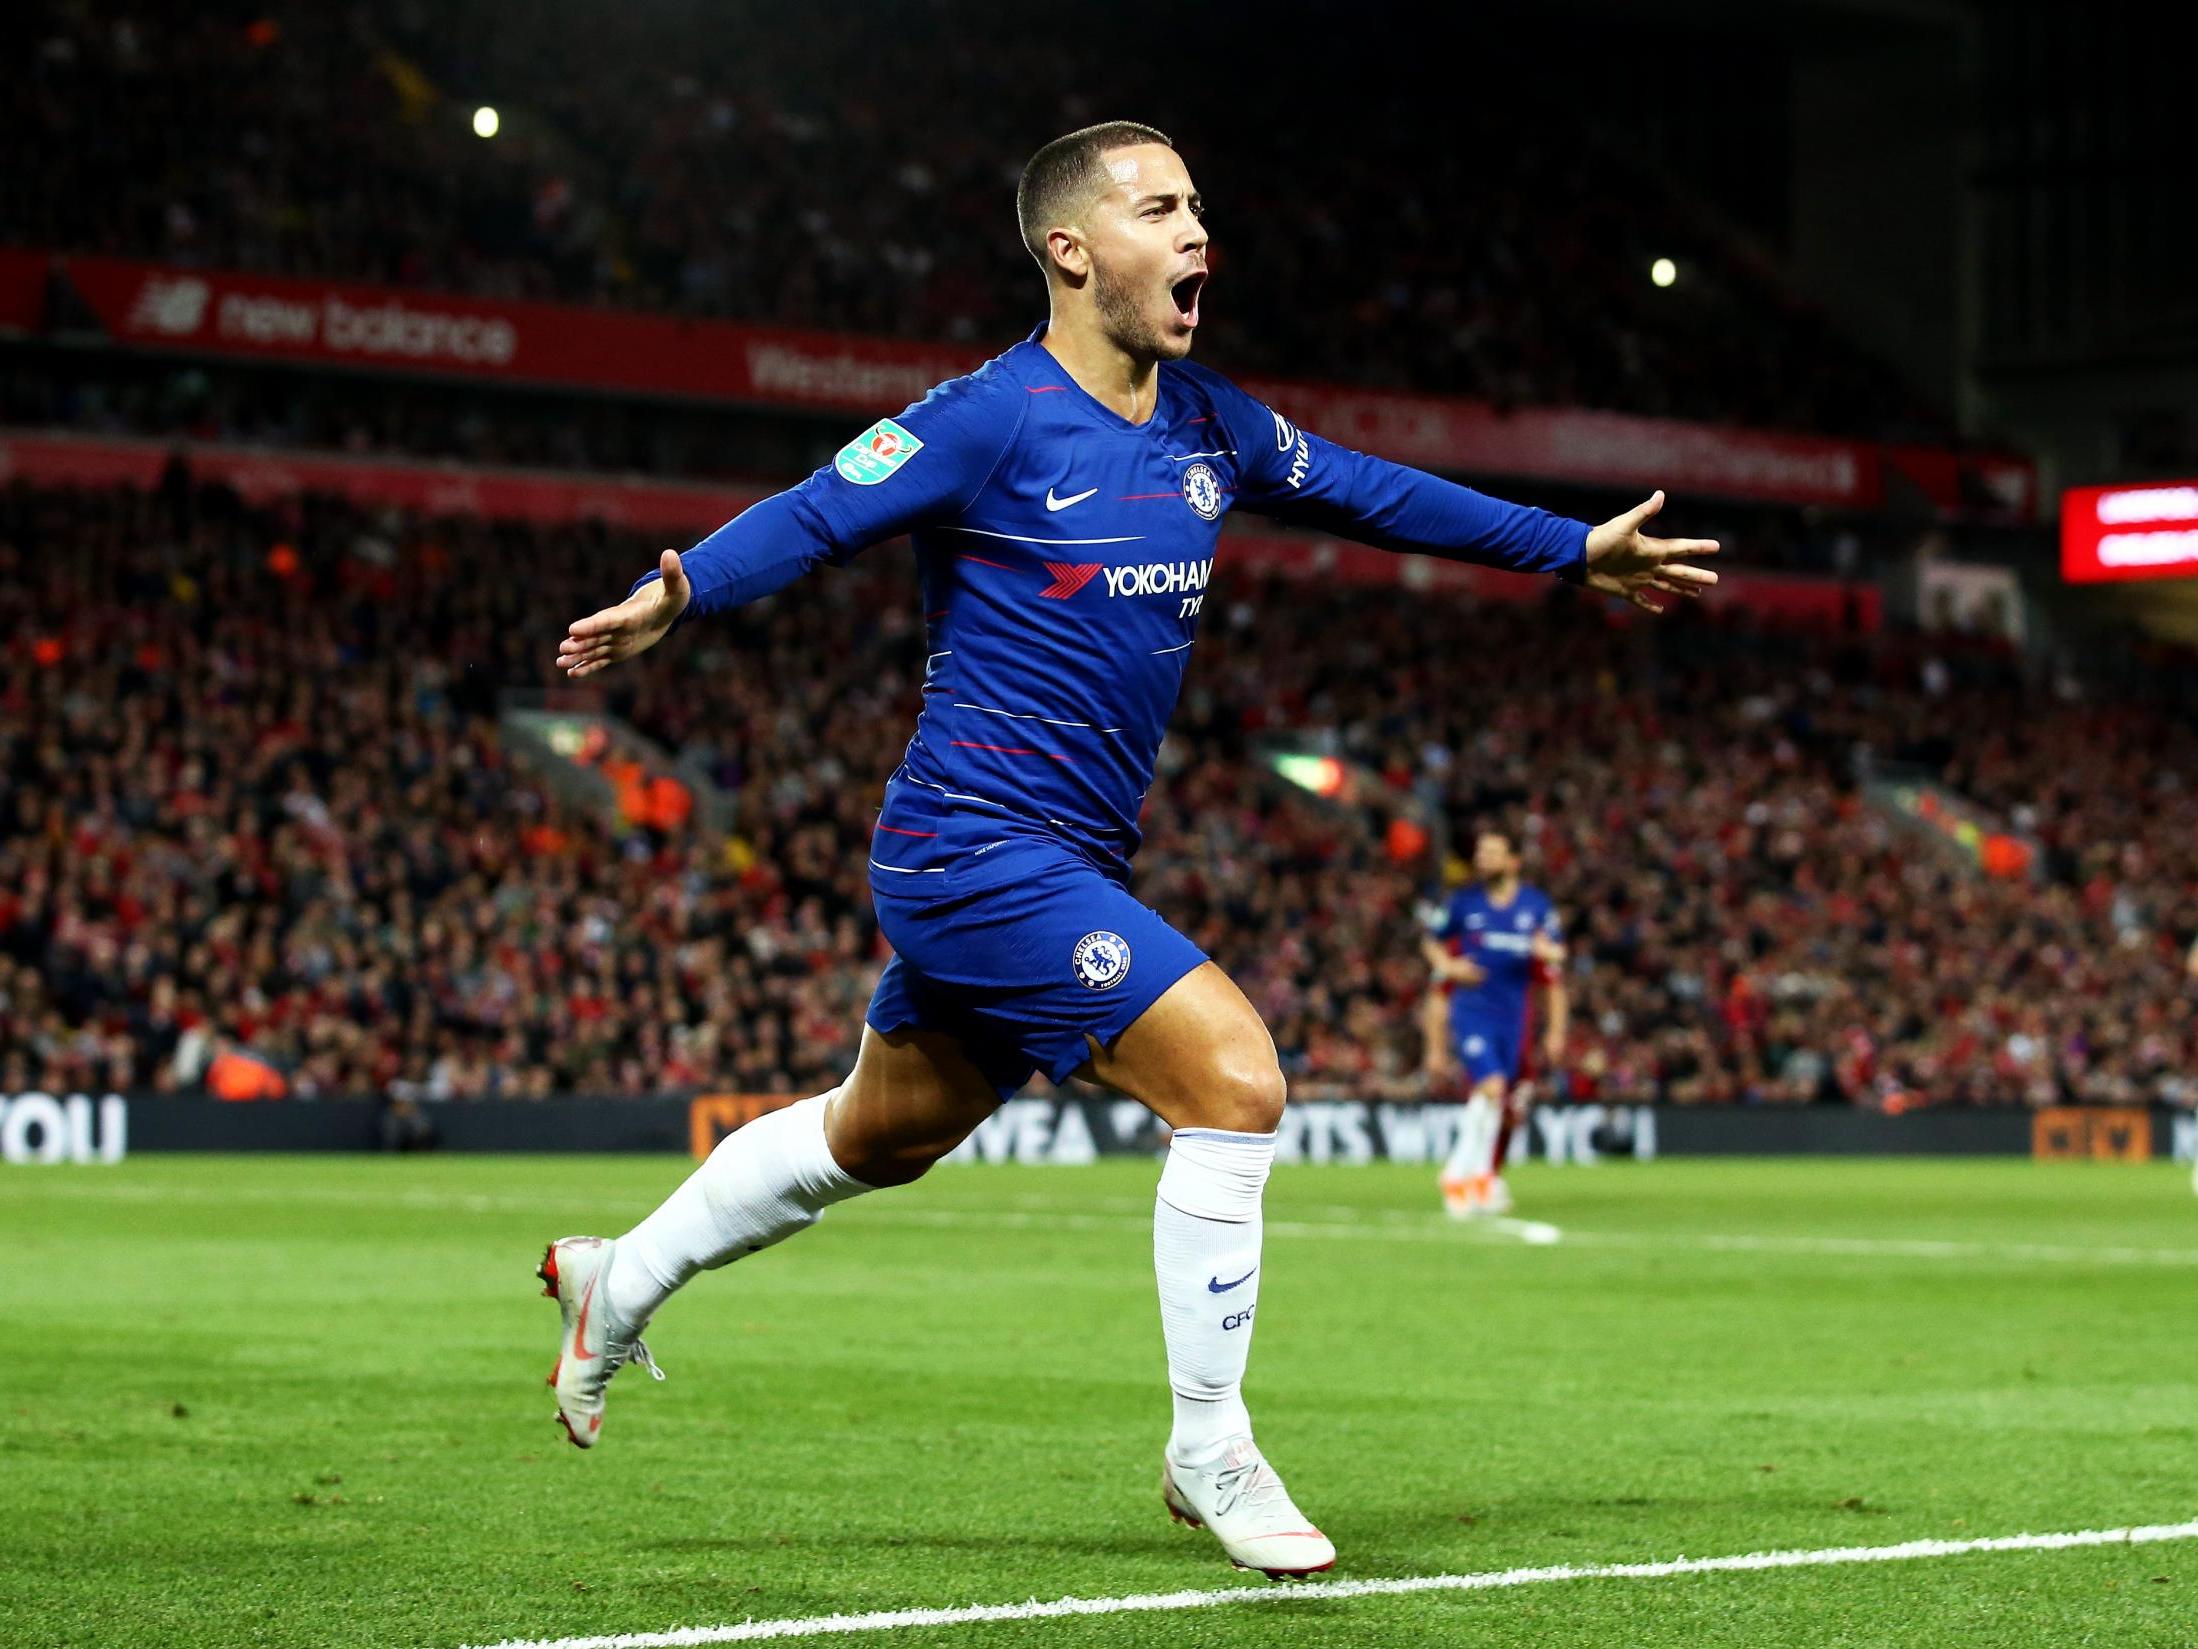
(1184, 294)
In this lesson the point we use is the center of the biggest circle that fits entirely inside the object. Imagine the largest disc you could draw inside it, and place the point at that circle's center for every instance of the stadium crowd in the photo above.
(253, 799)
(742, 162)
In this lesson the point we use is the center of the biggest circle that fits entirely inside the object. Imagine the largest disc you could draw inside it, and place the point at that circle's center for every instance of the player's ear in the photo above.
(1067, 255)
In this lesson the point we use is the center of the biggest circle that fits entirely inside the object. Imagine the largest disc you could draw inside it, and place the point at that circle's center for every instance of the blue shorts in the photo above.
(1486, 1050)
(1020, 953)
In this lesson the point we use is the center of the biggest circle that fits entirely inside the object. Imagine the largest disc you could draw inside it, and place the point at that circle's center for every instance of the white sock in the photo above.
(762, 1184)
(1476, 1139)
(1205, 1252)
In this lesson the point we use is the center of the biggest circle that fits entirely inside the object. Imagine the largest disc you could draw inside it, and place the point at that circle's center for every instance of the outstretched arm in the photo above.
(1296, 476)
(759, 552)
(923, 465)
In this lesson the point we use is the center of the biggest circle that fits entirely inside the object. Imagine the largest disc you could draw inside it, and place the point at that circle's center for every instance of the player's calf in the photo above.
(910, 1100)
(1471, 1166)
(762, 1184)
(1201, 1059)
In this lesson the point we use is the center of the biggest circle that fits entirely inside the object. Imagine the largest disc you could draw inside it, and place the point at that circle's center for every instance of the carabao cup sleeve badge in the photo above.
(876, 453)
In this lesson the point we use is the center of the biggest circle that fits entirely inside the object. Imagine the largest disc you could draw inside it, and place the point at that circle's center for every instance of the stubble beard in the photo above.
(1123, 314)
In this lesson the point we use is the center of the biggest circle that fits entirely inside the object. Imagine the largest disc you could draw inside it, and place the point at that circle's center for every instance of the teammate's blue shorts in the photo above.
(1020, 952)
(1486, 1048)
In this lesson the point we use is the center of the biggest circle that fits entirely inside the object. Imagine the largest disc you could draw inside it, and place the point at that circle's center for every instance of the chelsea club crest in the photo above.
(1101, 960)
(1202, 491)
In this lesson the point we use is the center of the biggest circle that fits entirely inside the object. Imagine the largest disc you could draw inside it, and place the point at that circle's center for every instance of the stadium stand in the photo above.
(253, 802)
(344, 149)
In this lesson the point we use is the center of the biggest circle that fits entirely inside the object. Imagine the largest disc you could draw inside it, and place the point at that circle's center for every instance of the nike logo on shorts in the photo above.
(1053, 503)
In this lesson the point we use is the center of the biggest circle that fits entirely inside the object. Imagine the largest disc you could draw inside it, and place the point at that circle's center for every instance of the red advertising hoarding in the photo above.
(2112, 533)
(388, 329)
(342, 324)
(271, 475)
(1595, 448)
(682, 512)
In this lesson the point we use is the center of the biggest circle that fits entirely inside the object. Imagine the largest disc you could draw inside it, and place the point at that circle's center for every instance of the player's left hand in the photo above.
(1624, 561)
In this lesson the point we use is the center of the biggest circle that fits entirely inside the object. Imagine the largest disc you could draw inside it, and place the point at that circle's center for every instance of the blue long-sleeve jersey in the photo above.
(1064, 554)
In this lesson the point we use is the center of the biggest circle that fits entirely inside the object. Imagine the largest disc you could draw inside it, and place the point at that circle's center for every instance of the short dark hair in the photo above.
(1061, 176)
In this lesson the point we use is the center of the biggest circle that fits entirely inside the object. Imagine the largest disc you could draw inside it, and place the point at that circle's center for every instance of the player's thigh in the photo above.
(1199, 1057)
(913, 1096)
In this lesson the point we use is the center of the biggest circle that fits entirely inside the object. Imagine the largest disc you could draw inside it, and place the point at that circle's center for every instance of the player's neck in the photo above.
(1501, 892)
(1126, 385)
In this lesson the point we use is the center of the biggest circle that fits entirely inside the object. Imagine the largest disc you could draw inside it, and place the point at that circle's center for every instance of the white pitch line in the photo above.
(1885, 1248)
(1537, 1233)
(1375, 1227)
(887, 1620)
(1370, 1226)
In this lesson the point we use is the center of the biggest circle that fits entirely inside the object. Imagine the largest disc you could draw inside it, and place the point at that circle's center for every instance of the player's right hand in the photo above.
(1624, 561)
(633, 626)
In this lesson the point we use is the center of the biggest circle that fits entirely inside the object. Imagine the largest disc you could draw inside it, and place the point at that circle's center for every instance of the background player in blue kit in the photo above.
(1065, 502)
(1496, 940)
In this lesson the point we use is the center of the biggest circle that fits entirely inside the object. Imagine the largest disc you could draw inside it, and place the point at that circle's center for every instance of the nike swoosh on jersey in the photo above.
(1053, 503)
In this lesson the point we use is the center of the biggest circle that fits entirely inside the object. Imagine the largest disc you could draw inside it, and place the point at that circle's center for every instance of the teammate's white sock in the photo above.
(1205, 1252)
(763, 1183)
(1476, 1139)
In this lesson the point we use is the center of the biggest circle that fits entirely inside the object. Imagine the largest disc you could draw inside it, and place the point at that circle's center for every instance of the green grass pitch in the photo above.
(281, 1401)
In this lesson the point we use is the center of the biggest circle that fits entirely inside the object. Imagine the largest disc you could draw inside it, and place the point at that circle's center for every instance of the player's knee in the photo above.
(901, 1156)
(882, 1145)
(1243, 1098)
(898, 1164)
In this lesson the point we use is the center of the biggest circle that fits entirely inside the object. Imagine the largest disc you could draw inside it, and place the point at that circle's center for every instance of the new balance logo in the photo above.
(1069, 576)
(1053, 503)
(172, 306)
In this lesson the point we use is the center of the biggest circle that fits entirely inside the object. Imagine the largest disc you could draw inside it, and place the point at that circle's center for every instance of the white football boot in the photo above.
(1243, 1503)
(594, 1345)
(1495, 1196)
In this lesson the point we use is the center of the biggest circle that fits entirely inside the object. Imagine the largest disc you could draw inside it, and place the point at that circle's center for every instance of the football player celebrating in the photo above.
(1065, 501)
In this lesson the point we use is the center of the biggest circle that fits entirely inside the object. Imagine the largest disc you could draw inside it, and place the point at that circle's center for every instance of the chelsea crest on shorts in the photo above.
(1101, 960)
